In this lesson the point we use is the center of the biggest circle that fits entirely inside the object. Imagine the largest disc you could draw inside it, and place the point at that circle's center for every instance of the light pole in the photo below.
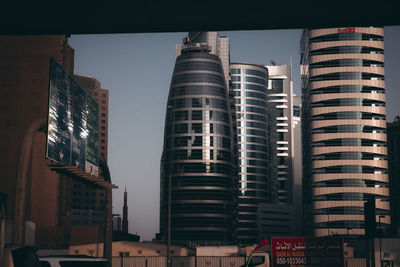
(348, 229)
(329, 230)
(169, 110)
(380, 239)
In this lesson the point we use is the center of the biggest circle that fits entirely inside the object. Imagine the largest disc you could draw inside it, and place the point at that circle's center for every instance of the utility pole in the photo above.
(169, 110)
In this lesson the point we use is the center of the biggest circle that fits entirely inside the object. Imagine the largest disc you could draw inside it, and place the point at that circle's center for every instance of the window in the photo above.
(103, 115)
(257, 260)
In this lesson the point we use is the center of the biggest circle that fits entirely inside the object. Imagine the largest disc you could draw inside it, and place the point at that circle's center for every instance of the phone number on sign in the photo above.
(292, 260)
(308, 260)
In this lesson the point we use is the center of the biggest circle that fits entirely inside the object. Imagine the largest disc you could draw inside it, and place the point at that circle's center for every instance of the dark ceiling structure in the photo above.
(94, 17)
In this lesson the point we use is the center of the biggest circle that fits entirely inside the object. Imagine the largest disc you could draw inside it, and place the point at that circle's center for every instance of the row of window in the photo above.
(247, 116)
(350, 155)
(201, 181)
(349, 142)
(197, 77)
(201, 194)
(351, 183)
(350, 169)
(341, 224)
(246, 86)
(249, 139)
(348, 197)
(249, 79)
(245, 131)
(348, 89)
(197, 65)
(201, 168)
(202, 222)
(194, 56)
(245, 108)
(200, 154)
(346, 62)
(249, 94)
(346, 36)
(348, 129)
(252, 162)
(208, 90)
(250, 72)
(212, 141)
(253, 147)
(198, 102)
(183, 128)
(200, 115)
(246, 101)
(253, 171)
(252, 193)
(349, 115)
(340, 102)
(347, 76)
(243, 124)
(347, 50)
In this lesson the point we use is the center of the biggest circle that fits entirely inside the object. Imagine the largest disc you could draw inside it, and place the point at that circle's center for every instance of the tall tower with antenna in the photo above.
(125, 213)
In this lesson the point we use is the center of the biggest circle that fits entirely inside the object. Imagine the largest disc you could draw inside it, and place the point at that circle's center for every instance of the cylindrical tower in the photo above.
(197, 152)
(249, 85)
(344, 127)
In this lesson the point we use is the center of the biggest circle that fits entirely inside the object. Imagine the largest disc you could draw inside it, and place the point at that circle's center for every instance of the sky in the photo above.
(137, 71)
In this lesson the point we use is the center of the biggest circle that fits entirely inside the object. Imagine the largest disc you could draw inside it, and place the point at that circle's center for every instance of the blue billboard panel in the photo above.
(72, 136)
(79, 122)
(60, 107)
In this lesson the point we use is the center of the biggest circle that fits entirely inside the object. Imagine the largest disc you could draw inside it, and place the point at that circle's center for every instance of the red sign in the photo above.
(302, 251)
(349, 29)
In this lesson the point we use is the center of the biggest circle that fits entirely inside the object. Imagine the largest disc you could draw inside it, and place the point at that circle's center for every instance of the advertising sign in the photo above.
(72, 134)
(306, 251)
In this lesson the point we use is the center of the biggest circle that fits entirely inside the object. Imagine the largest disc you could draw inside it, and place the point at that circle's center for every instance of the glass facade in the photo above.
(344, 130)
(197, 152)
(249, 87)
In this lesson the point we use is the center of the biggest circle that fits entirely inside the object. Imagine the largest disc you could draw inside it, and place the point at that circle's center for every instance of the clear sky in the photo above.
(137, 70)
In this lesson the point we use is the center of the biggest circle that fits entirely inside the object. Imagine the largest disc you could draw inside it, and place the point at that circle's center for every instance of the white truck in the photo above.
(258, 259)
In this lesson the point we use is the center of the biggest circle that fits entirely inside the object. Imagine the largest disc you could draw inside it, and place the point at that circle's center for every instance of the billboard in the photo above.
(307, 251)
(72, 129)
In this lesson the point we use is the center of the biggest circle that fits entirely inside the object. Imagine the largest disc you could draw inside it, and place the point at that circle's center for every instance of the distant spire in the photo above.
(125, 213)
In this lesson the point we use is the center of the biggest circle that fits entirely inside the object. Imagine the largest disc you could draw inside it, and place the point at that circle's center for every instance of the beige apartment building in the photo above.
(344, 129)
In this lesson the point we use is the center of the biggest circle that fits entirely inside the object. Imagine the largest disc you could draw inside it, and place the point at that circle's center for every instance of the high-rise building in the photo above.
(344, 129)
(197, 154)
(249, 87)
(280, 104)
(93, 87)
(393, 135)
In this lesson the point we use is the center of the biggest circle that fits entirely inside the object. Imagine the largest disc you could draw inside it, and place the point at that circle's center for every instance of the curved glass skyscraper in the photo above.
(197, 152)
(344, 129)
(249, 86)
